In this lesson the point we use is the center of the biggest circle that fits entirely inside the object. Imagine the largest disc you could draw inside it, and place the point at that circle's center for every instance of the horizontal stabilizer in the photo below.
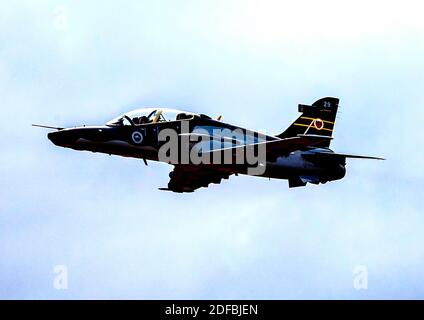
(278, 147)
(315, 136)
(352, 156)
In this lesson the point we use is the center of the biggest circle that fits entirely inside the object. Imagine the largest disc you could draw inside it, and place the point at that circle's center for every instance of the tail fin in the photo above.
(317, 119)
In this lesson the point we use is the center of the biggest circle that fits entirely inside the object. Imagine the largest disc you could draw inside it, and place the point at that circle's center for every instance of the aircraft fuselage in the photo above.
(125, 141)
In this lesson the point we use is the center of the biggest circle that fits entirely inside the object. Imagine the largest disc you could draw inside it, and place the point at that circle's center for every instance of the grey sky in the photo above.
(83, 62)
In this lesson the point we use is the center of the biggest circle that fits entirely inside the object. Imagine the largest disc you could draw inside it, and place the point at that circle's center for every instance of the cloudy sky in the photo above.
(69, 63)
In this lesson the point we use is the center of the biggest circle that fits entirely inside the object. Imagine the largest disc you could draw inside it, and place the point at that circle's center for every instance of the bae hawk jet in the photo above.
(205, 150)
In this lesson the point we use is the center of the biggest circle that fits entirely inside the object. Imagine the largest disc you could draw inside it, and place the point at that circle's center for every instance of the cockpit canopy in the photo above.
(150, 115)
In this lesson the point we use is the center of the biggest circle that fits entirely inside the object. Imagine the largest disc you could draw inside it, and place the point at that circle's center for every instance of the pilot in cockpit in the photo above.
(140, 120)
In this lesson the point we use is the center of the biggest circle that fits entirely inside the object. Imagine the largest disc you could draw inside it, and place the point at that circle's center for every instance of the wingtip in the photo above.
(315, 136)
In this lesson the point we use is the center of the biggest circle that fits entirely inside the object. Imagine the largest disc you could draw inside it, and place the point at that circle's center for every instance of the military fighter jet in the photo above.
(205, 150)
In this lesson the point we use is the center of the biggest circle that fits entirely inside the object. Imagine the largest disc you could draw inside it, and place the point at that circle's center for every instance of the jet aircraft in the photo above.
(205, 150)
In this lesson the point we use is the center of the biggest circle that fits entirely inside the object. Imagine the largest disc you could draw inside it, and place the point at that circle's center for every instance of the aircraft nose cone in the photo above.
(60, 138)
(55, 137)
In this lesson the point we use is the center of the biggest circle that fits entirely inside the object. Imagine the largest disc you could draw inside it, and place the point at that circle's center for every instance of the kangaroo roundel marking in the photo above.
(137, 137)
(318, 124)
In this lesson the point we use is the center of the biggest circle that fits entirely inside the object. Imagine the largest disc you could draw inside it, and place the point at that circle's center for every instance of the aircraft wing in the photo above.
(277, 147)
(187, 178)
